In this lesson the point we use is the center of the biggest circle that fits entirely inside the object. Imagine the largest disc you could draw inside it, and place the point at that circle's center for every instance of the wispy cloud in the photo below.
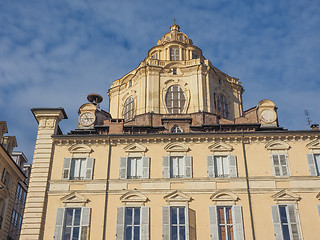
(54, 53)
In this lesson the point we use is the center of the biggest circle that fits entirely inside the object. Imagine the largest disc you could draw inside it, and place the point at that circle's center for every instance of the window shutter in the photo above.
(59, 224)
(165, 223)
(237, 223)
(123, 167)
(285, 168)
(192, 224)
(145, 167)
(85, 222)
(232, 166)
(89, 170)
(120, 223)
(213, 218)
(188, 166)
(319, 210)
(166, 167)
(293, 221)
(276, 222)
(210, 166)
(275, 163)
(144, 223)
(66, 168)
(186, 212)
(312, 164)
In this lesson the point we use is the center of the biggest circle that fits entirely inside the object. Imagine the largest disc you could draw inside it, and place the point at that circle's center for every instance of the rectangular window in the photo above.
(132, 223)
(72, 223)
(280, 165)
(221, 166)
(178, 223)
(226, 222)
(134, 167)
(5, 178)
(177, 167)
(77, 168)
(285, 222)
(174, 54)
(314, 164)
(174, 71)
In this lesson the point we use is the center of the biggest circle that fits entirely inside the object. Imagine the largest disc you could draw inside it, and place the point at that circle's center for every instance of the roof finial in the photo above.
(174, 21)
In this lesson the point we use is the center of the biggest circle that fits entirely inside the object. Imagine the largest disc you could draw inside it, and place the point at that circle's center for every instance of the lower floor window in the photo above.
(132, 223)
(225, 223)
(178, 223)
(72, 223)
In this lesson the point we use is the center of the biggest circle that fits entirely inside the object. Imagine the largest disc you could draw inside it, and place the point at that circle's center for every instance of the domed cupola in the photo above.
(174, 35)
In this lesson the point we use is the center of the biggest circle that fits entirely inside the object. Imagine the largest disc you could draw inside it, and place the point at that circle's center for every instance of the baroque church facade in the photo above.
(175, 158)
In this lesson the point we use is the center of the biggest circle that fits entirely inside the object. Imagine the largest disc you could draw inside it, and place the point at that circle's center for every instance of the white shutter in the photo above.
(123, 167)
(59, 224)
(237, 223)
(186, 219)
(144, 223)
(188, 166)
(166, 167)
(145, 167)
(312, 165)
(213, 218)
(210, 166)
(276, 222)
(85, 222)
(165, 223)
(120, 223)
(89, 169)
(276, 164)
(232, 166)
(66, 168)
(319, 210)
(292, 216)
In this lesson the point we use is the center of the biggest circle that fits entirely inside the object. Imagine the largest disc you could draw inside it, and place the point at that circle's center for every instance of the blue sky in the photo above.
(55, 53)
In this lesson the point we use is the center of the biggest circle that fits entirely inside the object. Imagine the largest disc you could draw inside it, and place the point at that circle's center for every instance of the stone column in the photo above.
(35, 208)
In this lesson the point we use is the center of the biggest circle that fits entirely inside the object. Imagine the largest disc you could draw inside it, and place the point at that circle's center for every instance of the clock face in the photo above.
(87, 118)
(268, 116)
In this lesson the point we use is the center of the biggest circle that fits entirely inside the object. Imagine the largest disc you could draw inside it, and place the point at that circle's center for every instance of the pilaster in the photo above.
(35, 208)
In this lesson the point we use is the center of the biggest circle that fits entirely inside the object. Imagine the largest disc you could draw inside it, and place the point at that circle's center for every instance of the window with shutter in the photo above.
(222, 166)
(78, 168)
(314, 163)
(134, 167)
(280, 165)
(285, 222)
(72, 223)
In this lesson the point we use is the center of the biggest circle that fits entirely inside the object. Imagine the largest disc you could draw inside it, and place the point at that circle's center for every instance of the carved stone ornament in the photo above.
(224, 197)
(74, 199)
(277, 145)
(177, 198)
(133, 198)
(176, 147)
(286, 196)
(220, 147)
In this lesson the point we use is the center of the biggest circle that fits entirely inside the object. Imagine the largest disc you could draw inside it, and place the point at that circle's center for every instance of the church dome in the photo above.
(174, 35)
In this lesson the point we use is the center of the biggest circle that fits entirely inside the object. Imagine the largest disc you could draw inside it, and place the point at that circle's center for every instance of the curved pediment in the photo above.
(220, 147)
(286, 196)
(80, 148)
(177, 197)
(135, 147)
(277, 145)
(133, 197)
(314, 144)
(176, 147)
(224, 196)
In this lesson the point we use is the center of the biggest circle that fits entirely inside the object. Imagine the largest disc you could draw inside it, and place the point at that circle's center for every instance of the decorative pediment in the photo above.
(277, 145)
(314, 144)
(220, 147)
(135, 147)
(80, 148)
(224, 197)
(285, 196)
(176, 147)
(74, 199)
(318, 196)
(133, 197)
(177, 197)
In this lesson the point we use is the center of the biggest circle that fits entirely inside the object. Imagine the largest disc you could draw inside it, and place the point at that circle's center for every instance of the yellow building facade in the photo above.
(175, 158)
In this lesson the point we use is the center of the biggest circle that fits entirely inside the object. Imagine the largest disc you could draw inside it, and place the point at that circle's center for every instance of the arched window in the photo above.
(128, 110)
(175, 99)
(176, 129)
(223, 106)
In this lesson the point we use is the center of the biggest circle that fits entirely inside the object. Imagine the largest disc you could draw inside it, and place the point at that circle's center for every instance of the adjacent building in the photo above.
(13, 186)
(176, 157)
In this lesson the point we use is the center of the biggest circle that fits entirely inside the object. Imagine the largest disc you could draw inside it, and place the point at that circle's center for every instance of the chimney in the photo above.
(9, 143)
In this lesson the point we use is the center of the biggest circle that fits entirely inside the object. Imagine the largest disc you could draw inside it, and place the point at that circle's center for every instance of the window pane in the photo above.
(136, 216)
(75, 234)
(128, 233)
(66, 233)
(136, 233)
(181, 216)
(228, 215)
(173, 215)
(283, 214)
(129, 216)
(181, 166)
(222, 233)
(182, 233)
(174, 233)
(77, 217)
(69, 213)
(139, 167)
(285, 232)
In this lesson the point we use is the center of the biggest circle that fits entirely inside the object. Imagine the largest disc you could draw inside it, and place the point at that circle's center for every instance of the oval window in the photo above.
(175, 99)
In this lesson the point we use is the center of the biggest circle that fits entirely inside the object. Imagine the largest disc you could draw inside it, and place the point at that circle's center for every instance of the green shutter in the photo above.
(59, 224)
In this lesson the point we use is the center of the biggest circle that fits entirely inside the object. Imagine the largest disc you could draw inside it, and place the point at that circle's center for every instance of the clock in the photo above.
(87, 118)
(268, 116)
